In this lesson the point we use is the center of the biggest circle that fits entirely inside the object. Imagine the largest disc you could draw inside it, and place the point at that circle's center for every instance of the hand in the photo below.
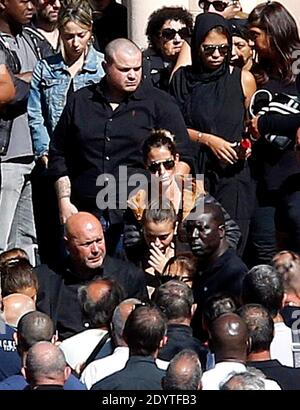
(222, 149)
(253, 127)
(44, 160)
(231, 11)
(132, 235)
(157, 259)
(66, 209)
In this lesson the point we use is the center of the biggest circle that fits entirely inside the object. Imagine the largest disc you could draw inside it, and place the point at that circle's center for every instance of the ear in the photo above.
(193, 309)
(176, 157)
(249, 345)
(67, 372)
(24, 372)
(104, 66)
(54, 339)
(163, 342)
(222, 231)
(15, 337)
(285, 300)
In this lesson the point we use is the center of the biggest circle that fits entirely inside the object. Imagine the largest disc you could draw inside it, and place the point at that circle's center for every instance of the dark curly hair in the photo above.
(160, 16)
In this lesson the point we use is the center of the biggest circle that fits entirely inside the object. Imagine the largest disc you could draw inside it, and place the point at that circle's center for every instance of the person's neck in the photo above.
(278, 318)
(114, 96)
(211, 259)
(221, 358)
(181, 321)
(259, 356)
(10, 27)
(45, 25)
(52, 36)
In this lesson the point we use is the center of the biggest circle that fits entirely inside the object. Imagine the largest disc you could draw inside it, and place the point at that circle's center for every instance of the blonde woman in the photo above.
(54, 78)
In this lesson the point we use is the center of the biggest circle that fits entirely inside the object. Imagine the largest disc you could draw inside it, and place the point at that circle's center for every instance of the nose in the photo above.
(75, 41)
(177, 37)
(131, 75)
(233, 51)
(30, 6)
(195, 233)
(157, 241)
(211, 8)
(216, 53)
(57, 4)
(94, 247)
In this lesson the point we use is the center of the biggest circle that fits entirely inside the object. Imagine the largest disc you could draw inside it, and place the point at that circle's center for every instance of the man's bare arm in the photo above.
(63, 192)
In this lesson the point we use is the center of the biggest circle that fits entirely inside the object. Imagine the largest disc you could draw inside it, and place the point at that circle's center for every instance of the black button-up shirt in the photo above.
(91, 138)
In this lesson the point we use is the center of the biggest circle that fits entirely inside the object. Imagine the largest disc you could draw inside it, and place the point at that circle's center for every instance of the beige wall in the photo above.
(139, 11)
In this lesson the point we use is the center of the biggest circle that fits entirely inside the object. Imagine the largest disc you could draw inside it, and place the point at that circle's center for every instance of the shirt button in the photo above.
(205, 289)
(107, 139)
(107, 158)
(106, 179)
(110, 120)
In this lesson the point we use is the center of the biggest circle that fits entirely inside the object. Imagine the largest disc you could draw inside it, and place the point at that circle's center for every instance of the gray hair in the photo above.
(252, 379)
(184, 372)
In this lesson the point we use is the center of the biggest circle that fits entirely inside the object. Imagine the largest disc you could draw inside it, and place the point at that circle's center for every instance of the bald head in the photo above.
(85, 241)
(78, 222)
(229, 337)
(184, 372)
(123, 68)
(15, 306)
(98, 300)
(120, 45)
(120, 315)
(45, 364)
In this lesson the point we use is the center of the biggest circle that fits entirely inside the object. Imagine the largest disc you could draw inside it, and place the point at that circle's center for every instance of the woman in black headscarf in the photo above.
(213, 98)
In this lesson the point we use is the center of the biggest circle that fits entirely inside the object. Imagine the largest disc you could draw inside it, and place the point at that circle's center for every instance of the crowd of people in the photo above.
(149, 199)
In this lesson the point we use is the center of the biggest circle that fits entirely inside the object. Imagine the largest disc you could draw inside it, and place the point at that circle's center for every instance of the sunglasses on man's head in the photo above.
(170, 33)
(155, 165)
(218, 5)
(209, 49)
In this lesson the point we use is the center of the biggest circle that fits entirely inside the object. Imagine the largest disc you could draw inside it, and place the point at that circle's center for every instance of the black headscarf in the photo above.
(186, 83)
(203, 25)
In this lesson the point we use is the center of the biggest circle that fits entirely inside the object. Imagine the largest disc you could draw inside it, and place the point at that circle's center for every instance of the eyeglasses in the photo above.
(209, 49)
(218, 5)
(155, 165)
(170, 33)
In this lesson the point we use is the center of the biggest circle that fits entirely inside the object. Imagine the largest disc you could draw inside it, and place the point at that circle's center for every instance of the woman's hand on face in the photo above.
(222, 149)
(157, 259)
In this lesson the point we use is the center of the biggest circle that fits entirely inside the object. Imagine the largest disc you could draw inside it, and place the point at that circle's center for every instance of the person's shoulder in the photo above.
(109, 382)
(16, 382)
(115, 265)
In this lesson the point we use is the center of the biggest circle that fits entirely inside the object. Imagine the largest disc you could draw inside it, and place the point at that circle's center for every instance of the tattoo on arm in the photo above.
(63, 187)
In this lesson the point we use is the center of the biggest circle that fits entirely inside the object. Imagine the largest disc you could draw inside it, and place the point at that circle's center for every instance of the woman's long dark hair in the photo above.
(274, 19)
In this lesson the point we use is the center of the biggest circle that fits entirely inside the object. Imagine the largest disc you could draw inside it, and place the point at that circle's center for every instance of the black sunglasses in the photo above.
(170, 33)
(209, 49)
(218, 5)
(155, 165)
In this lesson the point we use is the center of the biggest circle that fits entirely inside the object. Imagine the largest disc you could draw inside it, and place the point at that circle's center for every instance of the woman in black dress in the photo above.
(213, 98)
(276, 38)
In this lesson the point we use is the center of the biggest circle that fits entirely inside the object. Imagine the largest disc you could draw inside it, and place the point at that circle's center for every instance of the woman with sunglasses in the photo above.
(228, 9)
(276, 221)
(167, 29)
(213, 97)
(160, 157)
